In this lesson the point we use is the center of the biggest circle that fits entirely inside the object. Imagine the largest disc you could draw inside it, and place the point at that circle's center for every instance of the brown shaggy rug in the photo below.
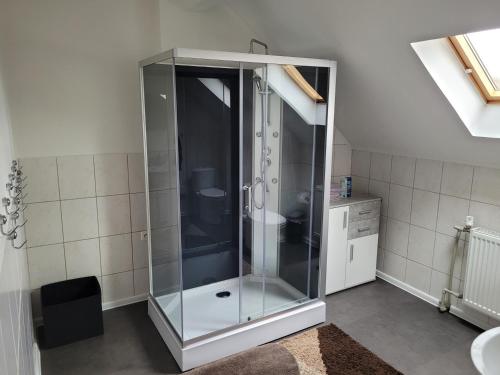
(325, 350)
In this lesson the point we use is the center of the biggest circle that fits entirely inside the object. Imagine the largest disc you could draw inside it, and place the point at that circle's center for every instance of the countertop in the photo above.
(355, 198)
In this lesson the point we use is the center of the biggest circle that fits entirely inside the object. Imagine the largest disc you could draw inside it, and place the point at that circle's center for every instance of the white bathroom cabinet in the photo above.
(352, 242)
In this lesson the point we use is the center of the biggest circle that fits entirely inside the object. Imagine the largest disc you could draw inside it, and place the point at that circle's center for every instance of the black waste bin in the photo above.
(71, 311)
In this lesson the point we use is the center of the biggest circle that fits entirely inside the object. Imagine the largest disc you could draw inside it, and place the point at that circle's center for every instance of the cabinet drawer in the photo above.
(364, 211)
(363, 228)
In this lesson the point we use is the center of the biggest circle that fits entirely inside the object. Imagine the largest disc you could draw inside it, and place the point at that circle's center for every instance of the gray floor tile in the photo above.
(408, 333)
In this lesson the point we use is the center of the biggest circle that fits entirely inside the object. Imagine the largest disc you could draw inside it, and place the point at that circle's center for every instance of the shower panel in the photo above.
(238, 151)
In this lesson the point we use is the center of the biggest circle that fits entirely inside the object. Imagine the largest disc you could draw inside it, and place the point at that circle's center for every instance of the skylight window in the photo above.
(480, 54)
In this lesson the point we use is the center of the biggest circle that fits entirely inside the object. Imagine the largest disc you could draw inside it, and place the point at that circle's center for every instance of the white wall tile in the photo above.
(118, 286)
(342, 160)
(360, 163)
(418, 276)
(421, 245)
(428, 175)
(442, 255)
(163, 208)
(452, 211)
(439, 281)
(457, 180)
(394, 265)
(76, 176)
(46, 265)
(79, 219)
(380, 168)
(139, 251)
(165, 277)
(141, 281)
(43, 184)
(164, 244)
(380, 189)
(116, 254)
(136, 179)
(403, 170)
(380, 259)
(111, 174)
(424, 209)
(486, 185)
(161, 161)
(359, 184)
(83, 258)
(138, 211)
(400, 198)
(44, 224)
(397, 237)
(382, 232)
(114, 215)
(485, 215)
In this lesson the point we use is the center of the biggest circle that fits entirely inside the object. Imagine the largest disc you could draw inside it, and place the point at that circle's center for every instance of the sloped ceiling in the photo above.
(386, 100)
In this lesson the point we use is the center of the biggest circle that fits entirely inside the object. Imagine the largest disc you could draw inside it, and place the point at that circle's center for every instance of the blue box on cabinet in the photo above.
(71, 310)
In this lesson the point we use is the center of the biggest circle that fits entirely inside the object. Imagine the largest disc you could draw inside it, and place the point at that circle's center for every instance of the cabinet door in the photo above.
(361, 260)
(337, 244)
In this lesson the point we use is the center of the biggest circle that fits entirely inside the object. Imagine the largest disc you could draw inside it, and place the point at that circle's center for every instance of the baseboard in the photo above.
(124, 301)
(462, 314)
(37, 320)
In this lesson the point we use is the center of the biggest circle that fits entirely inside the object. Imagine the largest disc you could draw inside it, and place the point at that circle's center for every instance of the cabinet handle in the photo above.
(345, 219)
(351, 256)
(361, 230)
(365, 212)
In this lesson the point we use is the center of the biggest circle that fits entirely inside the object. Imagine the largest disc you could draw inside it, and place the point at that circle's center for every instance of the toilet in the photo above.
(209, 198)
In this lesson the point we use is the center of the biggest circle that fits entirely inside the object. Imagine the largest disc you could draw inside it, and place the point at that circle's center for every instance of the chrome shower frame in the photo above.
(203, 349)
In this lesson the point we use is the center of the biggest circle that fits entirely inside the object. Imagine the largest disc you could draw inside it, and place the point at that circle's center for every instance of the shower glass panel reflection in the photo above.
(162, 195)
(235, 174)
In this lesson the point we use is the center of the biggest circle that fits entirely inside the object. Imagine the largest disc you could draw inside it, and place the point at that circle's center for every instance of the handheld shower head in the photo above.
(258, 82)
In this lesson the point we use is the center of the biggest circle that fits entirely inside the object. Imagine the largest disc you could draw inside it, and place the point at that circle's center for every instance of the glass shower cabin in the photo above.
(238, 151)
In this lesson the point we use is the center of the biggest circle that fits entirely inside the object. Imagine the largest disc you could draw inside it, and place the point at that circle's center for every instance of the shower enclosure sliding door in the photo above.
(236, 166)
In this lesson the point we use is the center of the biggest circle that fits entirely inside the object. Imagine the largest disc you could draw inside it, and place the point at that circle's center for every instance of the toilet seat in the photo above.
(212, 193)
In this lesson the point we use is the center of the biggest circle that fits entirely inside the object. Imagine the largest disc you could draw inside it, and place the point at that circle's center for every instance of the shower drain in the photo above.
(223, 294)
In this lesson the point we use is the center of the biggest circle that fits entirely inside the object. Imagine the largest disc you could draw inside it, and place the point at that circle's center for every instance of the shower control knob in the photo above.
(274, 180)
(275, 134)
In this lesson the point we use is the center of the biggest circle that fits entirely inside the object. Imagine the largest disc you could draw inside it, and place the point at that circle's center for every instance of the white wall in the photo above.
(71, 73)
(204, 25)
(386, 100)
(16, 334)
(342, 152)
(71, 66)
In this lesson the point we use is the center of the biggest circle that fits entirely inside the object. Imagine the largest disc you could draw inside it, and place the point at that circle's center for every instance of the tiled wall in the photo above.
(341, 165)
(421, 202)
(85, 214)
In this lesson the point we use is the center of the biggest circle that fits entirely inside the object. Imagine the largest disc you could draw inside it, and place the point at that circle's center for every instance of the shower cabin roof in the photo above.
(186, 54)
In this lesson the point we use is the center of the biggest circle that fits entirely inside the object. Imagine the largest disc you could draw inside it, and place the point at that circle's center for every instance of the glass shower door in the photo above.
(252, 194)
(282, 156)
(162, 190)
(295, 121)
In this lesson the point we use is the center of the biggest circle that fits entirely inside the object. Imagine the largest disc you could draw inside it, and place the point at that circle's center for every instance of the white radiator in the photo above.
(482, 278)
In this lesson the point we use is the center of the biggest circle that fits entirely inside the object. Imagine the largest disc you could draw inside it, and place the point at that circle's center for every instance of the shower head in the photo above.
(258, 82)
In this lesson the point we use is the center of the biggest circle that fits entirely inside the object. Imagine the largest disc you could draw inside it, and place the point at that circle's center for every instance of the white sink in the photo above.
(485, 352)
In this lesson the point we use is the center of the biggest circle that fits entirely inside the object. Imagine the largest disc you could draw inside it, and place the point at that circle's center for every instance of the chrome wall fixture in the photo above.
(13, 205)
